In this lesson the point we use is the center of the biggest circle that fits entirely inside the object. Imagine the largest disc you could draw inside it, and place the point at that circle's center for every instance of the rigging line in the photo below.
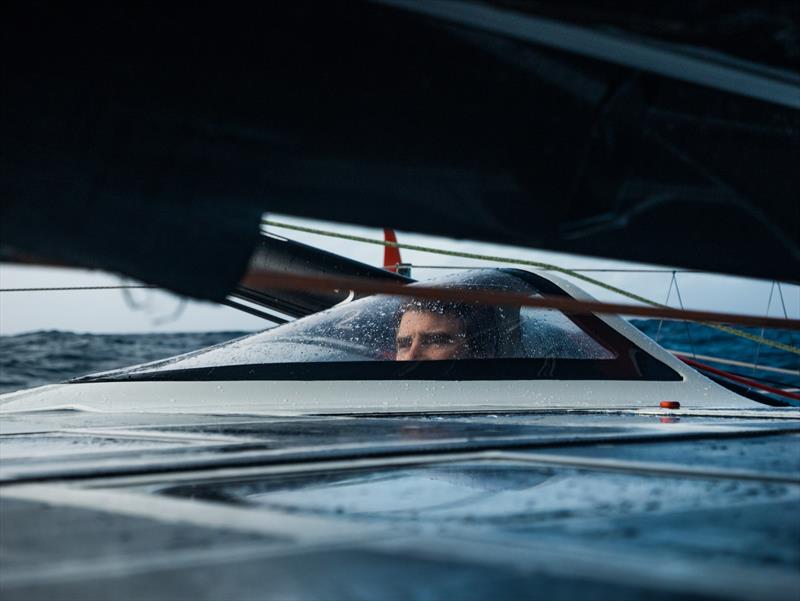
(740, 379)
(766, 314)
(754, 338)
(724, 361)
(783, 306)
(62, 288)
(578, 269)
(239, 306)
(565, 304)
(609, 270)
(786, 314)
(686, 323)
(537, 264)
(134, 304)
(666, 304)
(463, 255)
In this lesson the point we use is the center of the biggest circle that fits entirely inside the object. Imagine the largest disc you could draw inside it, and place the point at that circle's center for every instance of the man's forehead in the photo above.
(430, 318)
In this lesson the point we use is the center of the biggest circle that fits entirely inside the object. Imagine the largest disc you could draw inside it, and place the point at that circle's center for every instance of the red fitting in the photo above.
(670, 405)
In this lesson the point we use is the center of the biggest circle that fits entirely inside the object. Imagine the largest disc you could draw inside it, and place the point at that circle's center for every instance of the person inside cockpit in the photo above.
(430, 330)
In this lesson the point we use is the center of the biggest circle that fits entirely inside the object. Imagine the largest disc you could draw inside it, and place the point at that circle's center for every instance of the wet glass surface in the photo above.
(484, 491)
(776, 454)
(378, 328)
(515, 502)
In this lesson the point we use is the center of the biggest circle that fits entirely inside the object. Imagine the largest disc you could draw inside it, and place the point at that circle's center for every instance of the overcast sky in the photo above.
(109, 311)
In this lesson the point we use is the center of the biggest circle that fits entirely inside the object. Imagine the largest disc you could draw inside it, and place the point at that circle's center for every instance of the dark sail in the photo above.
(147, 140)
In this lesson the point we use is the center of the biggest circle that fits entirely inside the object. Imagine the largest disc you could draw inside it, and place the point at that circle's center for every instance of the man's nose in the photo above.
(415, 352)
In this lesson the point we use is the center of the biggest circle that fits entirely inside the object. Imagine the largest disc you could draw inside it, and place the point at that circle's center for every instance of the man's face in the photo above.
(424, 336)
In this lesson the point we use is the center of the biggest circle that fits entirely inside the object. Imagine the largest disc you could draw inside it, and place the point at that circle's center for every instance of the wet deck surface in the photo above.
(552, 506)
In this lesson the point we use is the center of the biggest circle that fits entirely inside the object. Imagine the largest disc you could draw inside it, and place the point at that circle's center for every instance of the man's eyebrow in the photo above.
(437, 333)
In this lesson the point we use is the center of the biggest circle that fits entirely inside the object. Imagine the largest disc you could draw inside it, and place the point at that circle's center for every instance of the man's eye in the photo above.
(403, 342)
(440, 339)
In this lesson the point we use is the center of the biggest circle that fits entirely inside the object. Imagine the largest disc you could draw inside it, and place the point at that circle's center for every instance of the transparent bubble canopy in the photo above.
(376, 328)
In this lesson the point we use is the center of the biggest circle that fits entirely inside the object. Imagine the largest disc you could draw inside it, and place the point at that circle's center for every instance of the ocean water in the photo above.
(49, 357)
(702, 340)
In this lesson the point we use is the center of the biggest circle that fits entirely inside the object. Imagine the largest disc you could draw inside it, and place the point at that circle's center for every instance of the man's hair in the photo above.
(480, 327)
